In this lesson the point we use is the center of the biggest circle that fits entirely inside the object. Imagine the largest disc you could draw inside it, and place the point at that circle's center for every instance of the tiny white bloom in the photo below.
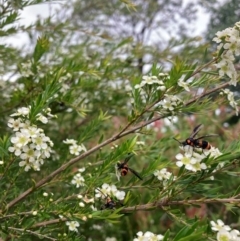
(34, 213)
(70, 141)
(78, 180)
(81, 204)
(73, 225)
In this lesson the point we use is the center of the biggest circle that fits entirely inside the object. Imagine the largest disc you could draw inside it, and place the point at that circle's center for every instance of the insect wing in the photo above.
(128, 158)
(201, 137)
(135, 173)
(195, 131)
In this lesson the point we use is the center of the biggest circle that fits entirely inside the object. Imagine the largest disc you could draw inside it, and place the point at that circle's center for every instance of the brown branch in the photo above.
(165, 203)
(147, 207)
(112, 139)
(31, 232)
(49, 222)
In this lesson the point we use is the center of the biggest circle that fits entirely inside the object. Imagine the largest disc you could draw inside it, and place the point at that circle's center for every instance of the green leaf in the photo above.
(41, 48)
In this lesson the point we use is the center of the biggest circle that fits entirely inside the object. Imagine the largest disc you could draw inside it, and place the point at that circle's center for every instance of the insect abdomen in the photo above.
(203, 144)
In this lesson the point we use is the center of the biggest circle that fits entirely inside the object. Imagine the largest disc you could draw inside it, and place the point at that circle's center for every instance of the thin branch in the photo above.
(31, 232)
(147, 207)
(165, 202)
(49, 222)
(112, 139)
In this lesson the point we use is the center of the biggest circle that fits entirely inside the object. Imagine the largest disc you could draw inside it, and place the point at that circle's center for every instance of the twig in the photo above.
(32, 232)
(165, 202)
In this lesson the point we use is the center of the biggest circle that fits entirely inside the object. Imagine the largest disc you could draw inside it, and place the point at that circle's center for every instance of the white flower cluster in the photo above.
(224, 232)
(229, 40)
(148, 236)
(231, 100)
(153, 80)
(26, 69)
(170, 102)
(29, 142)
(74, 148)
(78, 179)
(109, 191)
(162, 174)
(73, 225)
(192, 160)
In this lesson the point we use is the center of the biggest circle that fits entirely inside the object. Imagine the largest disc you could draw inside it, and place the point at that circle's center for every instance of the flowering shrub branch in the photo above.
(106, 142)
(88, 141)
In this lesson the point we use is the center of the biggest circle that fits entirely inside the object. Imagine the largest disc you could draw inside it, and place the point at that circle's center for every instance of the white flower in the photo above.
(27, 165)
(151, 80)
(20, 139)
(14, 124)
(42, 118)
(140, 143)
(214, 152)
(26, 69)
(30, 154)
(72, 225)
(223, 235)
(103, 192)
(219, 225)
(109, 191)
(111, 239)
(17, 150)
(235, 235)
(34, 213)
(87, 200)
(45, 194)
(120, 195)
(78, 180)
(81, 204)
(229, 40)
(23, 111)
(148, 236)
(183, 84)
(70, 141)
(162, 174)
(231, 100)
(82, 169)
(192, 161)
(170, 102)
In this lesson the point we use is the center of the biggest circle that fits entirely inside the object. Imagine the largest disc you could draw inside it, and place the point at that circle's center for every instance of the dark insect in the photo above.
(124, 168)
(196, 142)
(109, 204)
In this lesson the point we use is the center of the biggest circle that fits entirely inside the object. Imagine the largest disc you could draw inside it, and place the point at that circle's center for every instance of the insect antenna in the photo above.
(177, 141)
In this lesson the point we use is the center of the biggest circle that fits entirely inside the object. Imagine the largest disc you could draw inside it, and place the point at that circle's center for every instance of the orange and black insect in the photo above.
(124, 168)
(196, 142)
